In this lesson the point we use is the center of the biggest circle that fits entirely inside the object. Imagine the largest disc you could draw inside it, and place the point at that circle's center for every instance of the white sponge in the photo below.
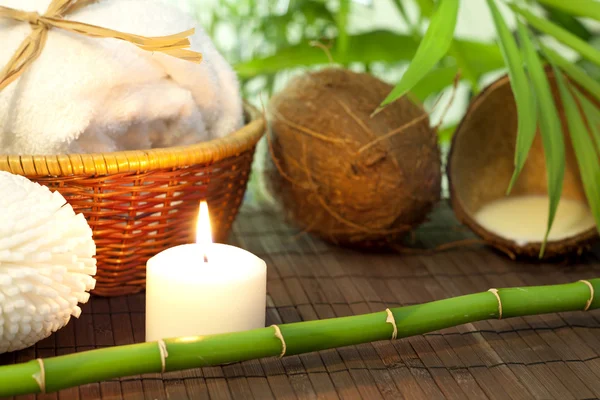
(47, 262)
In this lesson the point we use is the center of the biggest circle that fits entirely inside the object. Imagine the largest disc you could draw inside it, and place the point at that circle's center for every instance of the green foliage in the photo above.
(447, 133)
(592, 70)
(578, 8)
(561, 34)
(342, 26)
(432, 49)
(482, 58)
(576, 73)
(568, 22)
(587, 157)
(550, 126)
(592, 115)
(426, 7)
(374, 46)
(519, 82)
(425, 61)
(402, 11)
(435, 81)
(275, 43)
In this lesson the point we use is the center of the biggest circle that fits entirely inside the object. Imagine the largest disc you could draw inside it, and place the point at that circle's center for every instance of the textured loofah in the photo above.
(46, 262)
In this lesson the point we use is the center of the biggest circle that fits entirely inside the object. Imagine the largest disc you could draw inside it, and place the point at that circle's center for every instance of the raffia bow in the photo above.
(175, 45)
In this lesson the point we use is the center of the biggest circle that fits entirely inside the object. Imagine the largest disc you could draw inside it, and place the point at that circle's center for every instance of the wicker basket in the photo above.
(139, 203)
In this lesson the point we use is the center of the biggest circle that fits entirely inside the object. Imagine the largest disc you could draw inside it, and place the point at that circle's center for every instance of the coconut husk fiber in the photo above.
(343, 175)
(481, 163)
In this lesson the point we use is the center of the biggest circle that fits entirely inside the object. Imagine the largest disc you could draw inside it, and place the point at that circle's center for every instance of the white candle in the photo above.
(524, 218)
(204, 288)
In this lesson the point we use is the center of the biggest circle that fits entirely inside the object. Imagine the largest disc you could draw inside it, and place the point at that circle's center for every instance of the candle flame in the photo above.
(203, 227)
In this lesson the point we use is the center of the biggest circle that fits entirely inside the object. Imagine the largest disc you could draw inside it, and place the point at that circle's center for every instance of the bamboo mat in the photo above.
(543, 357)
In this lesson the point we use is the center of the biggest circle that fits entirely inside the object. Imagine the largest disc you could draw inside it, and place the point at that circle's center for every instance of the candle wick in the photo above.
(205, 258)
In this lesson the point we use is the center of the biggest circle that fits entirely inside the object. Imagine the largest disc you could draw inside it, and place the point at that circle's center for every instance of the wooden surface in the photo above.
(544, 357)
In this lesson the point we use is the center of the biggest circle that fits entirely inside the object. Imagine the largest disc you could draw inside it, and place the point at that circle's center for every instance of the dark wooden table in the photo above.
(543, 357)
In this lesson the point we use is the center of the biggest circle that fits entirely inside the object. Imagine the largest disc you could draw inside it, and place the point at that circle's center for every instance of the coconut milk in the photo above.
(523, 219)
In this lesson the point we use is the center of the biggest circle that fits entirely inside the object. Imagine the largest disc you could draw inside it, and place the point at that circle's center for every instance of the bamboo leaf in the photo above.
(568, 22)
(550, 127)
(580, 8)
(375, 46)
(402, 10)
(313, 10)
(426, 7)
(436, 81)
(560, 34)
(481, 57)
(432, 49)
(576, 73)
(589, 67)
(414, 28)
(592, 114)
(465, 65)
(524, 99)
(445, 134)
(342, 24)
(381, 46)
(585, 152)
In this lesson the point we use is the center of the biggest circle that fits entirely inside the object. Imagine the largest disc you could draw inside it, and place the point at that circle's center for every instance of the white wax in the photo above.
(187, 297)
(524, 219)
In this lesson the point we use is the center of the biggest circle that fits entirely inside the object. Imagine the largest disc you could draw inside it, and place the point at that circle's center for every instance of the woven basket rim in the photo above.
(208, 152)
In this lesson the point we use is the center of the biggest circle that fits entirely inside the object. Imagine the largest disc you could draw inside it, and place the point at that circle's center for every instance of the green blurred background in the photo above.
(269, 41)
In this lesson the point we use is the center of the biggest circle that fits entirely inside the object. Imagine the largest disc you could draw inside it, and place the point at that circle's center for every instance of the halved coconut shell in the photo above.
(480, 167)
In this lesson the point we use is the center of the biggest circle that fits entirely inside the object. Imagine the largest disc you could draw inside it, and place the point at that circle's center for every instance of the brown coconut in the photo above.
(481, 164)
(343, 175)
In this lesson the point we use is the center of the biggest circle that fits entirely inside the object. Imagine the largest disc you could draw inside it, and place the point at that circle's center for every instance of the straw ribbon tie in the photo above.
(279, 336)
(162, 348)
(495, 293)
(24, 16)
(391, 320)
(40, 377)
(176, 45)
(589, 302)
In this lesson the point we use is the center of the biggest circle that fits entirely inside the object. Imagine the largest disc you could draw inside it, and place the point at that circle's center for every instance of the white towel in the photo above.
(88, 94)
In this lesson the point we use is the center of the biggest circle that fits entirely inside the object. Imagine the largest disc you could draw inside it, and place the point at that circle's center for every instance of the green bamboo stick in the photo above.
(61, 372)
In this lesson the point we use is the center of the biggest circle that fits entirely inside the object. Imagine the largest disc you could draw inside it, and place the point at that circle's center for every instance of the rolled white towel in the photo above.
(88, 94)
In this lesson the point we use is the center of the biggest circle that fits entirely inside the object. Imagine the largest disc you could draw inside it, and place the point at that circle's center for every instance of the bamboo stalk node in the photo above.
(495, 293)
(391, 320)
(589, 302)
(162, 348)
(279, 336)
(40, 377)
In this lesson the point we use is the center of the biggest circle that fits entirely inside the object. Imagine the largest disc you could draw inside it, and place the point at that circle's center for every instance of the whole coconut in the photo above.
(343, 175)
